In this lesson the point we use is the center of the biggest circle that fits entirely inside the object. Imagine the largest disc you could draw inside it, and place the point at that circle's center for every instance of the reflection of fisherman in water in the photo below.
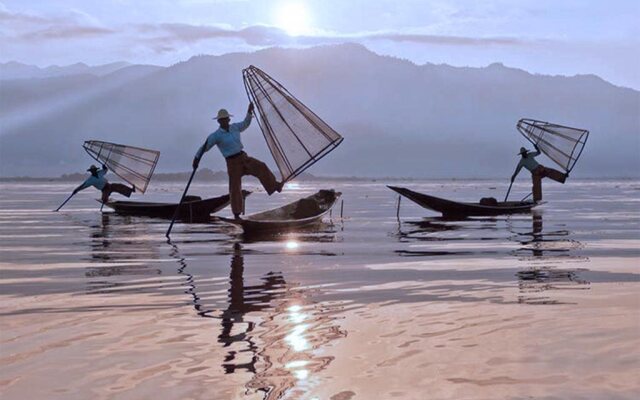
(537, 279)
(100, 241)
(242, 300)
(541, 243)
(528, 161)
(114, 251)
(269, 329)
(536, 233)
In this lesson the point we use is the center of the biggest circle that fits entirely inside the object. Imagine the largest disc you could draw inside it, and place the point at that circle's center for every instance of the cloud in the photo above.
(168, 34)
(14, 19)
(25, 27)
(448, 40)
(66, 32)
(262, 35)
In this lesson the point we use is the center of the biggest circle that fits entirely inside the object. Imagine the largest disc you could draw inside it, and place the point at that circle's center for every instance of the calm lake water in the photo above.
(543, 305)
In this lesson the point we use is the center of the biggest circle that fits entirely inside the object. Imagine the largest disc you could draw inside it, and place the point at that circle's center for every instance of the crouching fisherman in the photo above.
(98, 181)
(528, 160)
(239, 164)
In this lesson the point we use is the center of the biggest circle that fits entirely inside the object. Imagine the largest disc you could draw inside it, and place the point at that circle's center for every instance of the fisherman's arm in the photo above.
(241, 126)
(206, 146)
(82, 186)
(537, 152)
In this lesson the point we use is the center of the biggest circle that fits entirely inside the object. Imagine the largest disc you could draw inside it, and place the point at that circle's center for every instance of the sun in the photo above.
(293, 18)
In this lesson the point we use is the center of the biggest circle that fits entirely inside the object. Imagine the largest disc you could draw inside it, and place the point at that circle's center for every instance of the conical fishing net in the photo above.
(133, 164)
(296, 137)
(562, 144)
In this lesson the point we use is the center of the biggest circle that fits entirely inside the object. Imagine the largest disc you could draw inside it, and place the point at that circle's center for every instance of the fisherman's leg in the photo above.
(555, 174)
(120, 188)
(106, 192)
(537, 186)
(234, 170)
(260, 170)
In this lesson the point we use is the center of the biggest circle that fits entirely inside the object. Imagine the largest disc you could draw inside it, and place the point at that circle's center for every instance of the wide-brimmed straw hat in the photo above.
(523, 151)
(92, 168)
(222, 113)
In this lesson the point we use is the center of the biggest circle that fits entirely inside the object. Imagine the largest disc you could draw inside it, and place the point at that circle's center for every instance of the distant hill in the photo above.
(16, 70)
(398, 118)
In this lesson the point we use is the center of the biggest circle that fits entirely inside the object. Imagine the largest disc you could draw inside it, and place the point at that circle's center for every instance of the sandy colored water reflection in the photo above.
(543, 305)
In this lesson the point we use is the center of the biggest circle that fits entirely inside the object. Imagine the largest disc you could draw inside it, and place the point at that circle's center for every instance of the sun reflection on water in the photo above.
(292, 245)
(296, 338)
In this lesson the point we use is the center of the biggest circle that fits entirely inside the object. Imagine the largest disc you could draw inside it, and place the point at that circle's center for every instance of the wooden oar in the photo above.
(184, 194)
(65, 202)
(507, 195)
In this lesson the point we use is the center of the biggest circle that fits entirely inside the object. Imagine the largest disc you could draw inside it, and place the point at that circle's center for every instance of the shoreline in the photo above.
(221, 176)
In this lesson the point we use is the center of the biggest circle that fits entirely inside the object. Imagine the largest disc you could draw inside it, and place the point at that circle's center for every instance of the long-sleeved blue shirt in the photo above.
(528, 161)
(228, 141)
(98, 182)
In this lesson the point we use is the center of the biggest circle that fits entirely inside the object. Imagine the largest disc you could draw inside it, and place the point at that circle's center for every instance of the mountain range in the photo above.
(16, 70)
(398, 118)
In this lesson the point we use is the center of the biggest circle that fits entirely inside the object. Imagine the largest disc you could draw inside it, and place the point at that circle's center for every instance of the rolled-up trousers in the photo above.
(544, 172)
(241, 165)
(115, 187)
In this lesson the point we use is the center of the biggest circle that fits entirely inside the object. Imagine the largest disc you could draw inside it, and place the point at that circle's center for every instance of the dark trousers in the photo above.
(544, 172)
(115, 187)
(241, 165)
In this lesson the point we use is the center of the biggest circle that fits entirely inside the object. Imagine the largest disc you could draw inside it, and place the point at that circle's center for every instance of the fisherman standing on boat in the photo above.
(239, 164)
(98, 181)
(537, 171)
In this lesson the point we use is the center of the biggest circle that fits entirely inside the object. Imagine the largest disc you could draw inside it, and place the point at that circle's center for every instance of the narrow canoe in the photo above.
(450, 208)
(193, 209)
(302, 212)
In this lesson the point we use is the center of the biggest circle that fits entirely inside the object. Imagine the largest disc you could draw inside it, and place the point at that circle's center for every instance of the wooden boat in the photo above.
(450, 208)
(300, 213)
(193, 209)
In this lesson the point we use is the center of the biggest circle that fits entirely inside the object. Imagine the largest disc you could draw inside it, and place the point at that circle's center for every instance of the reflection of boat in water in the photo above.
(451, 208)
(269, 329)
(547, 260)
(320, 232)
(439, 236)
(300, 213)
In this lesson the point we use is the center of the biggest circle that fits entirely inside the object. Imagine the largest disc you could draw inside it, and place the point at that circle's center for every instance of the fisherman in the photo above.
(537, 171)
(98, 181)
(239, 164)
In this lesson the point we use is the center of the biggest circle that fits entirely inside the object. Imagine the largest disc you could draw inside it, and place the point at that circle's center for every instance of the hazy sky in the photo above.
(546, 36)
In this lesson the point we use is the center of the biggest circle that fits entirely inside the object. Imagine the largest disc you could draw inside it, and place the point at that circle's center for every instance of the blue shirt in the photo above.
(528, 161)
(98, 182)
(228, 141)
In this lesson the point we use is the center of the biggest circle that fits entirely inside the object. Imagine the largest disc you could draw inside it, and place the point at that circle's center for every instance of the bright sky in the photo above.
(544, 36)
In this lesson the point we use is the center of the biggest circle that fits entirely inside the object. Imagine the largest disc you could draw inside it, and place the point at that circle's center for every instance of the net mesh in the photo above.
(296, 137)
(133, 164)
(562, 144)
